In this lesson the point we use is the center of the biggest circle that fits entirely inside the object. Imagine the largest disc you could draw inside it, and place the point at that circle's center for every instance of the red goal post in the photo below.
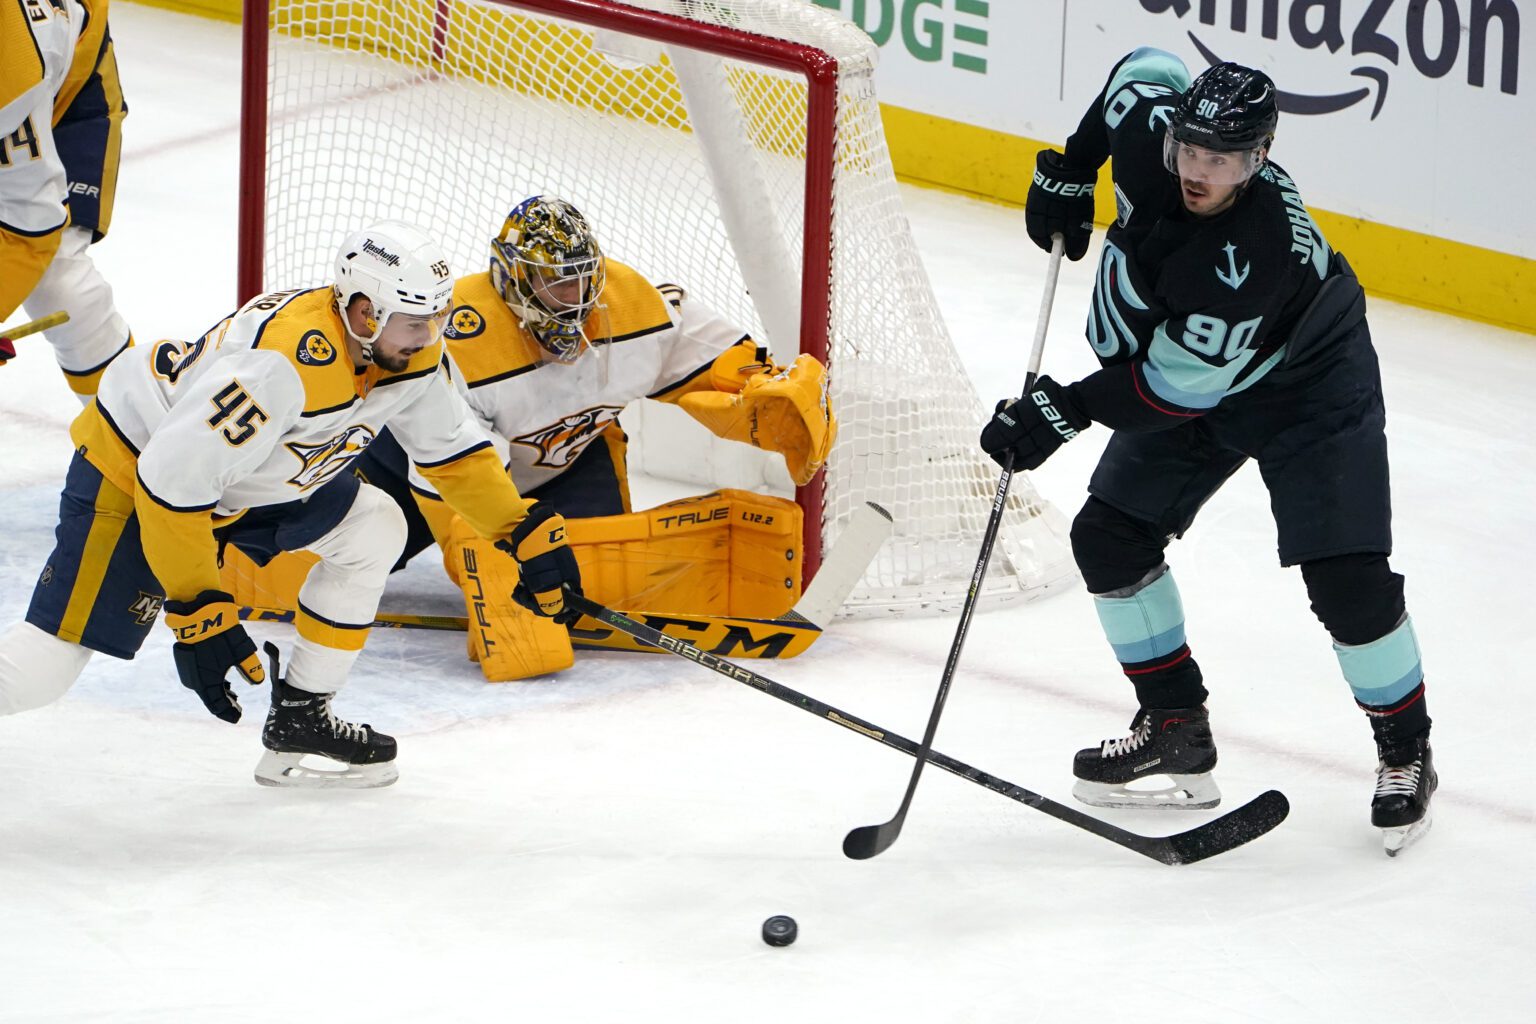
(731, 146)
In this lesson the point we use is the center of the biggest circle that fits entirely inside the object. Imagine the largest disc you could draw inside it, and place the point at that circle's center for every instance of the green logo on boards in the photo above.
(930, 30)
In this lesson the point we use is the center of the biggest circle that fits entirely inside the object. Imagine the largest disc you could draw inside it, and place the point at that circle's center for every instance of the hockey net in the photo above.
(733, 147)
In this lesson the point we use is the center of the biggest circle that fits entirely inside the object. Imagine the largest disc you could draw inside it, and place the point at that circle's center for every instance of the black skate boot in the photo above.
(1405, 780)
(301, 723)
(1172, 743)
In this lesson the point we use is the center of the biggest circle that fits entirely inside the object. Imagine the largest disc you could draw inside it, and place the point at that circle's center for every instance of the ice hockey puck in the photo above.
(780, 930)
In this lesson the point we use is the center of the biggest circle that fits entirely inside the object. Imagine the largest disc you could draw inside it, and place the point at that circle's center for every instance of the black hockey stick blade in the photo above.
(1231, 830)
(868, 841)
(1227, 832)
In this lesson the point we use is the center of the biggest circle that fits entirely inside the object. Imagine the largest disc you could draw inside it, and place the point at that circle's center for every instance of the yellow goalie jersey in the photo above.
(646, 343)
(264, 409)
(47, 50)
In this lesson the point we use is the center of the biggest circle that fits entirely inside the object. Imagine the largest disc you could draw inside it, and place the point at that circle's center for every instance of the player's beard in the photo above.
(391, 363)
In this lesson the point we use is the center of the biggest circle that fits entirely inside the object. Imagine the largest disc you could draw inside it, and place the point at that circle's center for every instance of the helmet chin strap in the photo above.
(365, 344)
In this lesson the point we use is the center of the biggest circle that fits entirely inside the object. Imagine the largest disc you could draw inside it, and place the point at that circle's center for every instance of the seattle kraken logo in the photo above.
(1114, 298)
(323, 461)
(1232, 277)
(559, 443)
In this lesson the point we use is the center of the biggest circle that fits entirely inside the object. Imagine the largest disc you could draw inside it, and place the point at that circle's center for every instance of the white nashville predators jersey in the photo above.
(645, 343)
(38, 38)
(267, 406)
(46, 51)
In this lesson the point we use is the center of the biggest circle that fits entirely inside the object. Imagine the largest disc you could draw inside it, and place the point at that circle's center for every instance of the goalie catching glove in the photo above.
(780, 409)
(546, 564)
(1034, 426)
(209, 642)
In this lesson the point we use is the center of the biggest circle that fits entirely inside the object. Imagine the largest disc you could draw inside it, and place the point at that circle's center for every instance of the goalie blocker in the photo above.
(733, 554)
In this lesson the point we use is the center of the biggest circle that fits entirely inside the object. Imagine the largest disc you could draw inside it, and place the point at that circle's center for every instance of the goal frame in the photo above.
(816, 66)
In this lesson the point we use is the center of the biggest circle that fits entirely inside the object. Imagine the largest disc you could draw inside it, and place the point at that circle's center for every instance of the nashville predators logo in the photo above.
(465, 322)
(324, 460)
(559, 443)
(315, 349)
(145, 608)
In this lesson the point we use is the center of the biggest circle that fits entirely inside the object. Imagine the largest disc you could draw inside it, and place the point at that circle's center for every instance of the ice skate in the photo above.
(1405, 780)
(300, 725)
(1174, 745)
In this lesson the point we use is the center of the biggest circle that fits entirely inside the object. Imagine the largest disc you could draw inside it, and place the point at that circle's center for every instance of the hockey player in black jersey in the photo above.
(1227, 330)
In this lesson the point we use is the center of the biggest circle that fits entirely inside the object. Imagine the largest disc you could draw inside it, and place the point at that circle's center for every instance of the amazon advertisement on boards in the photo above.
(1420, 114)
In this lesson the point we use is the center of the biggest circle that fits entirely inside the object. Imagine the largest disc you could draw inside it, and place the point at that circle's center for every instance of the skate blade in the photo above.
(1183, 792)
(1396, 840)
(287, 769)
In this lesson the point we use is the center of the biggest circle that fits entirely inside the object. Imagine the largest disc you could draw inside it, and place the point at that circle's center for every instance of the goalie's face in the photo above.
(550, 270)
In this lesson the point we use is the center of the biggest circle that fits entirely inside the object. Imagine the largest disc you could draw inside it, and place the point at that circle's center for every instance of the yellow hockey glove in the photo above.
(781, 409)
(545, 562)
(209, 642)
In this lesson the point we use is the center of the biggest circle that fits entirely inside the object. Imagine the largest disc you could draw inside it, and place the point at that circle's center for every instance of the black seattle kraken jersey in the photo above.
(1201, 308)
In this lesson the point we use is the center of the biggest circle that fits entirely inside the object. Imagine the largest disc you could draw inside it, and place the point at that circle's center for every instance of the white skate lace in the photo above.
(1128, 744)
(341, 729)
(1400, 779)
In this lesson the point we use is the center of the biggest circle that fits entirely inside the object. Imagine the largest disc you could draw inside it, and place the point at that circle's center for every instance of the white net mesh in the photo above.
(447, 112)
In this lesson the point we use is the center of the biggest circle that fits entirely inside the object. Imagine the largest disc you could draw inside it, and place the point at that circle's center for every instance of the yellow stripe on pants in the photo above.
(113, 508)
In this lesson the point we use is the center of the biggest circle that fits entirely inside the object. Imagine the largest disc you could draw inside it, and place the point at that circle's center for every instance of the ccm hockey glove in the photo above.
(1034, 426)
(209, 642)
(545, 562)
(1060, 199)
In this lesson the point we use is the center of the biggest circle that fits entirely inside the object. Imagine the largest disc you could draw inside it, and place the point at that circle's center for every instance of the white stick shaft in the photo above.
(1057, 247)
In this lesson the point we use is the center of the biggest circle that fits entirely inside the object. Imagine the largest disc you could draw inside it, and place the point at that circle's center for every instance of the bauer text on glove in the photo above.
(1034, 426)
(1060, 201)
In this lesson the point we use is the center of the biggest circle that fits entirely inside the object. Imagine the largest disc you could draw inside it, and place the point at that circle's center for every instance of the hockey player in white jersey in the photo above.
(243, 438)
(61, 113)
(549, 346)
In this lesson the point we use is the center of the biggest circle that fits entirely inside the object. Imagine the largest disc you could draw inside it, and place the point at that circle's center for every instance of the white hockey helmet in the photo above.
(399, 268)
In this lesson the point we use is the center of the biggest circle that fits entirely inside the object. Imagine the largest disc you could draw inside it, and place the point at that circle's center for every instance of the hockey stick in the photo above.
(1227, 832)
(868, 840)
(42, 323)
(784, 637)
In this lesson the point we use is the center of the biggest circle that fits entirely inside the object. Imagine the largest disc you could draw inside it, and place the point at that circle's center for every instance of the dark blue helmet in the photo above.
(1228, 107)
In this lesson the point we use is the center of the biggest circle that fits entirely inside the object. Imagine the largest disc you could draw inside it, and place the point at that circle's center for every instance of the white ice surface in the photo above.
(604, 846)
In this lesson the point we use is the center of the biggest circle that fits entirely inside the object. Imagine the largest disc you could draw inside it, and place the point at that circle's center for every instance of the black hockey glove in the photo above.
(1060, 200)
(546, 564)
(209, 642)
(1033, 427)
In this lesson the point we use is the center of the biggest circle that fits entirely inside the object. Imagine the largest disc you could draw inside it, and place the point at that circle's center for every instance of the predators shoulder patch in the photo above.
(315, 349)
(464, 322)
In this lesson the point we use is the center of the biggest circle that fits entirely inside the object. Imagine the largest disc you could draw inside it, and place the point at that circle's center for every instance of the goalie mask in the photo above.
(1223, 126)
(399, 269)
(550, 270)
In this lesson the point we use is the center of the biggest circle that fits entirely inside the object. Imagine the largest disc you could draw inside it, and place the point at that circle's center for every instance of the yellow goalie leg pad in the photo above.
(271, 586)
(507, 640)
(731, 553)
(781, 410)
